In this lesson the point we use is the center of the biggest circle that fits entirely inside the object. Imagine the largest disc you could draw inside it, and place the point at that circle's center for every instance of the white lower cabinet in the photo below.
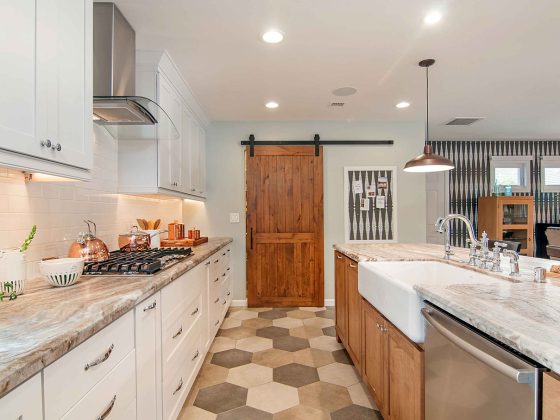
(114, 397)
(147, 319)
(143, 365)
(25, 402)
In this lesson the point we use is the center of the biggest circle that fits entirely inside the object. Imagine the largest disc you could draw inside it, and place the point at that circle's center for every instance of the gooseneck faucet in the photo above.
(442, 226)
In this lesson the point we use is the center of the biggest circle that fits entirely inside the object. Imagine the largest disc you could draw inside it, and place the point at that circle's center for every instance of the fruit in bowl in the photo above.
(61, 272)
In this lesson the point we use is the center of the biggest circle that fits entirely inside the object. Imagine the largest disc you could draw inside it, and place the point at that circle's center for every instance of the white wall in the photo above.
(58, 209)
(226, 182)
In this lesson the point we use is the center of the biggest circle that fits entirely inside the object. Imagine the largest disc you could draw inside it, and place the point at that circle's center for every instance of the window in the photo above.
(550, 174)
(511, 170)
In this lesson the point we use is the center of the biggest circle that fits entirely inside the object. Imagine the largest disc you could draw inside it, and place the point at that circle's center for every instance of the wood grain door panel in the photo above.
(284, 226)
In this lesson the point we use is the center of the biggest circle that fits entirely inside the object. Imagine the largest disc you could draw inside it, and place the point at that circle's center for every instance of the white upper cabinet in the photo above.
(173, 163)
(46, 69)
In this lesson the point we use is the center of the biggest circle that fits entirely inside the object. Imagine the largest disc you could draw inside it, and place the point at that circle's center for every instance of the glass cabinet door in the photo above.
(516, 235)
(515, 214)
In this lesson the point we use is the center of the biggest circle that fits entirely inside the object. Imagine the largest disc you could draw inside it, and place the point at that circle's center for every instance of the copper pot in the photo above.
(135, 240)
(88, 246)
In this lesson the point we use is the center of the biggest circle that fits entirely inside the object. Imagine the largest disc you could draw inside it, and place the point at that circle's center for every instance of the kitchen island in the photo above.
(45, 324)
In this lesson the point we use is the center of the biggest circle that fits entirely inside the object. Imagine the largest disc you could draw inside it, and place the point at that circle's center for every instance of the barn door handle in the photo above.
(251, 238)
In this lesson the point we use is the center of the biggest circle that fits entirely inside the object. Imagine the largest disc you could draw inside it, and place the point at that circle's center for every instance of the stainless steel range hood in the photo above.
(115, 105)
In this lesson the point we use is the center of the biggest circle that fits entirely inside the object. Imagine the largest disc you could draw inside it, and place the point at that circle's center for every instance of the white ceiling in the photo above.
(498, 59)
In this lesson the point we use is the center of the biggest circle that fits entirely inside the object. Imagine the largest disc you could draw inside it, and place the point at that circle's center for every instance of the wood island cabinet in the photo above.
(551, 396)
(348, 314)
(390, 364)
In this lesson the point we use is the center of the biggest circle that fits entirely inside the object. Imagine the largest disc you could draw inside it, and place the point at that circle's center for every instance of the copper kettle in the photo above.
(88, 246)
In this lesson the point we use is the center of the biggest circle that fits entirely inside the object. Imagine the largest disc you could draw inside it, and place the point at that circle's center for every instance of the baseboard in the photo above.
(243, 302)
(329, 302)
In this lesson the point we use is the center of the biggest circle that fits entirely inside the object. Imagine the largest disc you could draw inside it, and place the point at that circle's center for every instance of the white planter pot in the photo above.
(13, 269)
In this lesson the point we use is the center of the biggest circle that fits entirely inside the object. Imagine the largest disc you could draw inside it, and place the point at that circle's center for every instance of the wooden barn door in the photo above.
(284, 226)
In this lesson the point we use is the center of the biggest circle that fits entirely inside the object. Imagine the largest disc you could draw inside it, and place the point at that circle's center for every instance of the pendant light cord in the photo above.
(427, 106)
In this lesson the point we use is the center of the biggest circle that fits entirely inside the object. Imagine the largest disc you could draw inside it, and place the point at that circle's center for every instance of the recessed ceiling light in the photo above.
(432, 18)
(272, 105)
(344, 91)
(273, 37)
(403, 104)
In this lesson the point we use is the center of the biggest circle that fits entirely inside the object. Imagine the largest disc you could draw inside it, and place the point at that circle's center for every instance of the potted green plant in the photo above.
(13, 268)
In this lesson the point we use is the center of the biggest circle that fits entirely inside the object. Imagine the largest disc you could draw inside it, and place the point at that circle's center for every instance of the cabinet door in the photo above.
(354, 341)
(202, 161)
(194, 159)
(551, 396)
(406, 377)
(64, 81)
(170, 147)
(148, 358)
(341, 303)
(187, 129)
(24, 402)
(374, 367)
(18, 118)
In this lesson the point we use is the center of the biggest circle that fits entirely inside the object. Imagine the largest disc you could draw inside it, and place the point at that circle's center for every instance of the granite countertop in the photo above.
(45, 322)
(518, 312)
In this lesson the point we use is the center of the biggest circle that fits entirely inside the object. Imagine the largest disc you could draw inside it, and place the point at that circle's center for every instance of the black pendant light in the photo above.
(428, 161)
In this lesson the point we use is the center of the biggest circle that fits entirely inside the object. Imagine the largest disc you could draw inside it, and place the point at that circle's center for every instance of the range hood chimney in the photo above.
(114, 77)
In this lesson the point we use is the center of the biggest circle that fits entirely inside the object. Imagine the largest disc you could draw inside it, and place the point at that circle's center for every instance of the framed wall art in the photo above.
(370, 204)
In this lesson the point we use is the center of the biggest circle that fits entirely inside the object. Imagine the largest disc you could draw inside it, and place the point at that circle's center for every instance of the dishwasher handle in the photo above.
(521, 376)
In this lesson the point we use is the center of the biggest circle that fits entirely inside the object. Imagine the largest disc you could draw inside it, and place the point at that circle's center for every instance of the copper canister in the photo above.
(191, 233)
(171, 231)
(197, 234)
(179, 231)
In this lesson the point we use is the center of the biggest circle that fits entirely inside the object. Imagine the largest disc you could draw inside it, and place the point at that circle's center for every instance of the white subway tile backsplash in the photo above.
(58, 209)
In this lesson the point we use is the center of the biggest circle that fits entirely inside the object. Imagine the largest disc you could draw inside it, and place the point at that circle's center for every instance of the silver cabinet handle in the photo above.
(100, 359)
(46, 143)
(224, 302)
(217, 300)
(193, 313)
(179, 387)
(522, 376)
(193, 189)
(178, 333)
(229, 250)
(224, 254)
(229, 268)
(195, 356)
(207, 263)
(223, 274)
(57, 147)
(217, 322)
(108, 410)
(352, 265)
(228, 293)
(150, 306)
(216, 261)
(217, 278)
(338, 257)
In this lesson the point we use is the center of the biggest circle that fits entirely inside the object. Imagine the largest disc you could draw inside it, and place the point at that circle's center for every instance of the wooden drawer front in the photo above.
(25, 402)
(174, 331)
(551, 396)
(114, 396)
(176, 295)
(68, 379)
(180, 372)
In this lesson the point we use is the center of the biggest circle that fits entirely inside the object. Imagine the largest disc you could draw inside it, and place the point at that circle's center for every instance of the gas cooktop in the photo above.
(138, 262)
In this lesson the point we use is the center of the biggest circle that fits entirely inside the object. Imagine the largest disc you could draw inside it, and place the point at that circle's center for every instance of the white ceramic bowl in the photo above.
(62, 271)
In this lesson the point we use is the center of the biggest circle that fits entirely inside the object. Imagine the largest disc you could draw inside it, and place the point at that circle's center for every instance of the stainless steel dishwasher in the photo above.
(470, 376)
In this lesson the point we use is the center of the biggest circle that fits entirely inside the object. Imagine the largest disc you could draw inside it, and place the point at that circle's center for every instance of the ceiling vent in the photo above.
(337, 104)
(464, 121)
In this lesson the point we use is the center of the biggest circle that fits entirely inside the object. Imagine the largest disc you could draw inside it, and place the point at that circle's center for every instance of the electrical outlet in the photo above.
(234, 217)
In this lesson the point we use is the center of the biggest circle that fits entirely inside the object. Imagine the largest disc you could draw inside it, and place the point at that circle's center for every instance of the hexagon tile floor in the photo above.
(281, 364)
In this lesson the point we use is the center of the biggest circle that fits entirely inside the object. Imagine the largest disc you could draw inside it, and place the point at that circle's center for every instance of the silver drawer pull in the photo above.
(224, 254)
(217, 300)
(217, 322)
(108, 410)
(179, 387)
(224, 274)
(207, 263)
(225, 301)
(196, 355)
(338, 257)
(353, 266)
(216, 261)
(100, 359)
(193, 313)
(150, 306)
(229, 250)
(178, 333)
(229, 268)
(228, 293)
(217, 278)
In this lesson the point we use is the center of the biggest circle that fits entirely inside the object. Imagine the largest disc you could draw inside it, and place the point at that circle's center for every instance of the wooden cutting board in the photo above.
(170, 243)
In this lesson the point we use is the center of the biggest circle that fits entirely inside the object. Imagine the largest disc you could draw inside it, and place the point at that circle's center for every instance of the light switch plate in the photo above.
(234, 217)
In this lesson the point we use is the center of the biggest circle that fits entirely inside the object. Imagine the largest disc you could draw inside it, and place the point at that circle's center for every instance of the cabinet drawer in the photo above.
(112, 398)
(180, 372)
(68, 379)
(174, 331)
(25, 402)
(178, 294)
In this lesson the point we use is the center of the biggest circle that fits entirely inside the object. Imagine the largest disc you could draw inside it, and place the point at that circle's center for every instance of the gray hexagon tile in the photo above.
(295, 375)
(290, 343)
(212, 398)
(231, 358)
